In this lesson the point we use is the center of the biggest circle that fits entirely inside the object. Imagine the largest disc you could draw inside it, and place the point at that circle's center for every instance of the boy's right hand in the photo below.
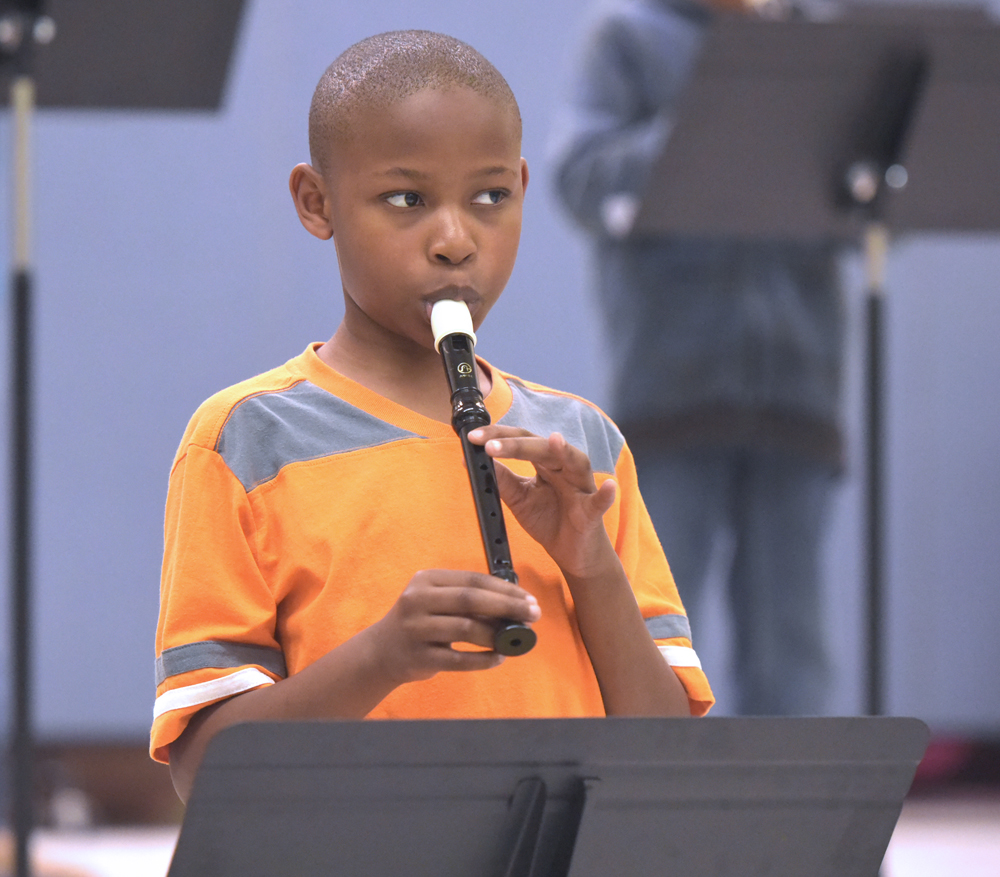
(441, 607)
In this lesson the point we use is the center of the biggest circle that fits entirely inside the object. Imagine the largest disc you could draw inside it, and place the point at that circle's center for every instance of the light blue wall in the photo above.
(170, 263)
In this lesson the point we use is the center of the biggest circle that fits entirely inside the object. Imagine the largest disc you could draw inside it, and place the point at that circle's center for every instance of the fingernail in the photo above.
(493, 445)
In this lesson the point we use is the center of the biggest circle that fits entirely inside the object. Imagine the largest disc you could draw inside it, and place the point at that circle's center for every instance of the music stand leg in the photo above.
(524, 822)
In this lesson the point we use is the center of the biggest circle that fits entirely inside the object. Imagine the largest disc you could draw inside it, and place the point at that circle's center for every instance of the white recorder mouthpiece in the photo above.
(449, 317)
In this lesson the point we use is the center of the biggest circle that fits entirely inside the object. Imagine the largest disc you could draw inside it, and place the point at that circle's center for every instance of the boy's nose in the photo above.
(453, 241)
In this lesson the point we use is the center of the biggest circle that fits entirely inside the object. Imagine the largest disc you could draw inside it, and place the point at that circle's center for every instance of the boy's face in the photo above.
(424, 202)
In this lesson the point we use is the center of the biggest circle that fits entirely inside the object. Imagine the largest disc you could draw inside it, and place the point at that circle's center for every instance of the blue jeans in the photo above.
(774, 508)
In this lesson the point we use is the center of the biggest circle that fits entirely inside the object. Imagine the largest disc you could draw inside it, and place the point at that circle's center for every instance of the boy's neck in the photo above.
(414, 378)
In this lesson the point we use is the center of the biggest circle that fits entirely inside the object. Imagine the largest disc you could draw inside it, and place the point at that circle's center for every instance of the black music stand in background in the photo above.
(721, 797)
(882, 120)
(108, 54)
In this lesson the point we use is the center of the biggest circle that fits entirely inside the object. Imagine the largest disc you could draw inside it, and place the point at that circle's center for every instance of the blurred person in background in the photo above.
(726, 357)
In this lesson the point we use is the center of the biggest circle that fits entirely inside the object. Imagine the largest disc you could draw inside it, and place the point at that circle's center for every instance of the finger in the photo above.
(463, 578)
(511, 442)
(554, 459)
(565, 457)
(605, 496)
(455, 661)
(475, 603)
(446, 630)
(551, 452)
(470, 595)
(482, 434)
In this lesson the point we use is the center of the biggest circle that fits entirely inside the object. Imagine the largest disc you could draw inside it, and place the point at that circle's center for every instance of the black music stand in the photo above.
(550, 797)
(108, 54)
(883, 120)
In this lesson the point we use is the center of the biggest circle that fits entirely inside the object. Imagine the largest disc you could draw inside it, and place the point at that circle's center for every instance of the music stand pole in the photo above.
(18, 32)
(174, 60)
(875, 247)
(22, 100)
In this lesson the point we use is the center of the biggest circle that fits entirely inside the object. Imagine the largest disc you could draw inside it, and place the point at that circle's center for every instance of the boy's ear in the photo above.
(524, 175)
(309, 194)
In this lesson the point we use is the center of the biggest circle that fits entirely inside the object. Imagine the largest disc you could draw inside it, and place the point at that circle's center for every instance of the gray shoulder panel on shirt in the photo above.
(268, 431)
(582, 425)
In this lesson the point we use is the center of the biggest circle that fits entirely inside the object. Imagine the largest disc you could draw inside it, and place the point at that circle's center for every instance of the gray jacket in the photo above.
(713, 340)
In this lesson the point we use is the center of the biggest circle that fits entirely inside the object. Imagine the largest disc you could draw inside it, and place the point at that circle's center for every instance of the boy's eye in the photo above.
(490, 196)
(403, 199)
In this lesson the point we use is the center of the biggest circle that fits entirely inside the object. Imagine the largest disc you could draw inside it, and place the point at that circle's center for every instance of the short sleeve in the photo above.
(216, 632)
(655, 590)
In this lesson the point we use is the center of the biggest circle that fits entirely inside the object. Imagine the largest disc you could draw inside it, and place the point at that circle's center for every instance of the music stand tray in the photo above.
(577, 797)
(777, 113)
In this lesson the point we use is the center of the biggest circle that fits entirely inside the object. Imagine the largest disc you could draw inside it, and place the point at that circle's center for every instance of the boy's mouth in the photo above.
(456, 293)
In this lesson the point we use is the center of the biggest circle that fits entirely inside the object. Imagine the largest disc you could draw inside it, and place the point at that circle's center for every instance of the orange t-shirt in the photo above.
(301, 504)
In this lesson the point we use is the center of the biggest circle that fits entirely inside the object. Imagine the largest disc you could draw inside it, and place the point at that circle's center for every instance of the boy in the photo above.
(321, 541)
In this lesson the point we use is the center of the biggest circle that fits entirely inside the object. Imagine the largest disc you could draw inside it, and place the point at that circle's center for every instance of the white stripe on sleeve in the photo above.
(205, 692)
(680, 656)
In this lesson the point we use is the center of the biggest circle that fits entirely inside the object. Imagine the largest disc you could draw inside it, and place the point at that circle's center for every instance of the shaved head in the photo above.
(381, 70)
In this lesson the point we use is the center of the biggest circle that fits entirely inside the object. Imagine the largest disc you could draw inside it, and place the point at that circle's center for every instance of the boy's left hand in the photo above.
(561, 507)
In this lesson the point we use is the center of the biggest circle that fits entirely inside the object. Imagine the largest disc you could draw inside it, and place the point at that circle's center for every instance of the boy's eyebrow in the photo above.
(413, 174)
(498, 170)
(409, 173)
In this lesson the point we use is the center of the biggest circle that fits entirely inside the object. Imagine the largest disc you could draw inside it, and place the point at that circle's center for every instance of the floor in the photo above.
(938, 836)
(941, 837)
